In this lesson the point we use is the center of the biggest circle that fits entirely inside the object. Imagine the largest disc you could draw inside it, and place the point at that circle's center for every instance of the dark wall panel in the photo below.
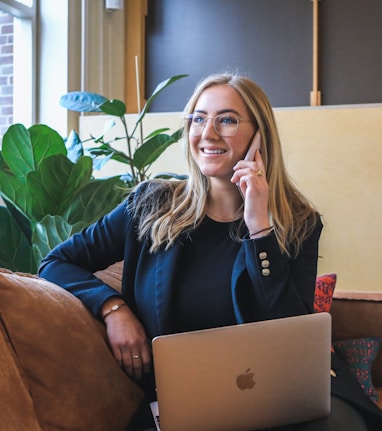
(351, 51)
(270, 41)
(264, 39)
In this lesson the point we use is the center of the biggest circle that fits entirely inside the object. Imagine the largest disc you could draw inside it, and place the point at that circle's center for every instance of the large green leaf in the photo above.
(20, 218)
(15, 251)
(149, 151)
(17, 150)
(96, 199)
(51, 231)
(114, 107)
(14, 189)
(3, 166)
(54, 184)
(82, 101)
(178, 134)
(46, 142)
(23, 149)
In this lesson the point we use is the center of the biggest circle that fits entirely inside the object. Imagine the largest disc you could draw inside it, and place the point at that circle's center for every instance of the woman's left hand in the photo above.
(250, 177)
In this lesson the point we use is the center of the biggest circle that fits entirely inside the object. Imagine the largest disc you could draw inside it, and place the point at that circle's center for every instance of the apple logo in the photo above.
(245, 381)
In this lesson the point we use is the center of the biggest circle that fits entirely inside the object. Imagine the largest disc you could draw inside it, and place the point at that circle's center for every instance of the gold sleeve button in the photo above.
(263, 255)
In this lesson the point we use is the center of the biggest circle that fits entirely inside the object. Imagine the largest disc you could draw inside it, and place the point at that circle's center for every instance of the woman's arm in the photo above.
(72, 263)
(269, 284)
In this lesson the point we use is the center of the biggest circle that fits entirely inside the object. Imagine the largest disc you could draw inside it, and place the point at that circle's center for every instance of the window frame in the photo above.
(25, 90)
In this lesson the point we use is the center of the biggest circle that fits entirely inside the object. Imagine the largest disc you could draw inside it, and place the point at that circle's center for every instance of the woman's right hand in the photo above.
(127, 339)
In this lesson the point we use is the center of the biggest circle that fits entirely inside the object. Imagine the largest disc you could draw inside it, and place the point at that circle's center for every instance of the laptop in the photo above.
(244, 377)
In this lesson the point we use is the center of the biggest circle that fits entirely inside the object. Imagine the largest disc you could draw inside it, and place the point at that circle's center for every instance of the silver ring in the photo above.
(135, 356)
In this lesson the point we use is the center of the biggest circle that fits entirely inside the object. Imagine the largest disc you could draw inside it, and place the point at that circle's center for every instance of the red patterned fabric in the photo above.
(325, 285)
(323, 296)
(359, 354)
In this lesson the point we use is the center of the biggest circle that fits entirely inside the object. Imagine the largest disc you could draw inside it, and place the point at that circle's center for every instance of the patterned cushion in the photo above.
(323, 295)
(325, 285)
(359, 354)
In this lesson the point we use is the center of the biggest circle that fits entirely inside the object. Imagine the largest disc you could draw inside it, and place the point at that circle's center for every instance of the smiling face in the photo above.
(214, 154)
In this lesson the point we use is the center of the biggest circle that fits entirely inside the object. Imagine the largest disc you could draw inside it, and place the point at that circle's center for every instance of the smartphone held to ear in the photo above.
(255, 145)
(250, 156)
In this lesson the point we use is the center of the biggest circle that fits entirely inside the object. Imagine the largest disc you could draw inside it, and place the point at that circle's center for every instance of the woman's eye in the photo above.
(227, 119)
(198, 119)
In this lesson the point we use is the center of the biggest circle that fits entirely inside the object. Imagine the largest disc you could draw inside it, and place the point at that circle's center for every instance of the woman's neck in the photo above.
(224, 204)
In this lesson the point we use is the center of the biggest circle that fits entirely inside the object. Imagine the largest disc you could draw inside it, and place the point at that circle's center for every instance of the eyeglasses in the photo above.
(224, 124)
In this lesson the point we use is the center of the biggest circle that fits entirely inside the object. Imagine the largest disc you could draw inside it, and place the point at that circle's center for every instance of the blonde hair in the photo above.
(168, 209)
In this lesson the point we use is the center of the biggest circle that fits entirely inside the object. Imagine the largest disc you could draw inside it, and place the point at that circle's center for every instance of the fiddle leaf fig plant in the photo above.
(47, 196)
(141, 151)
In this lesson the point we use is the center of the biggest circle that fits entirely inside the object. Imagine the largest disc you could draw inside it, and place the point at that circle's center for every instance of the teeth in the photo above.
(213, 151)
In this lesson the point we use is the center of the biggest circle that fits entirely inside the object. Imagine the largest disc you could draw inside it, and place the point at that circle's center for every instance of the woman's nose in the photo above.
(209, 130)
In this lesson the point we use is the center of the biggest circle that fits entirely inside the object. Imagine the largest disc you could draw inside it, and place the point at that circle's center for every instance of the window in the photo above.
(26, 2)
(17, 20)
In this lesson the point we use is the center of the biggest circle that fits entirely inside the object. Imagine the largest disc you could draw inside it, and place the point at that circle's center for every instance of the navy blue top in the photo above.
(202, 298)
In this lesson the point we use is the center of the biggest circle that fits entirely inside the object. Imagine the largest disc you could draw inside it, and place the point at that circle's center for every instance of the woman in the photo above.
(234, 242)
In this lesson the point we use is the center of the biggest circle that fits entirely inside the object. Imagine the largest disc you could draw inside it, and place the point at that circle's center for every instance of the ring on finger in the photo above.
(136, 356)
(260, 173)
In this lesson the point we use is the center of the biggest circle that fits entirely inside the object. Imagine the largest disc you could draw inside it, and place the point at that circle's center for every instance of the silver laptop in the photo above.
(244, 377)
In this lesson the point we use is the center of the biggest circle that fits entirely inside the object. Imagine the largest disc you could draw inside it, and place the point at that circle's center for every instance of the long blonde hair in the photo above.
(167, 209)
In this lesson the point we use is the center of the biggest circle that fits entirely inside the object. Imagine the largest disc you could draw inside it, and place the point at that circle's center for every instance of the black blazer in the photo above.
(265, 283)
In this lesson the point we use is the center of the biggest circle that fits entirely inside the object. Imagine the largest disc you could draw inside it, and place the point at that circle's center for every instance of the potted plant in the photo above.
(141, 151)
(47, 182)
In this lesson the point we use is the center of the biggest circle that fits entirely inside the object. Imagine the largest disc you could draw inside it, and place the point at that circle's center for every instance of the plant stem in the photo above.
(129, 150)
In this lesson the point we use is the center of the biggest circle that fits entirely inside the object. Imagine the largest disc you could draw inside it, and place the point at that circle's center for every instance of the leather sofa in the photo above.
(57, 371)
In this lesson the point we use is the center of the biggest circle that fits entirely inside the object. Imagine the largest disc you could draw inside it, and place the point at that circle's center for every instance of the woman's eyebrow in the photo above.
(225, 111)
(221, 111)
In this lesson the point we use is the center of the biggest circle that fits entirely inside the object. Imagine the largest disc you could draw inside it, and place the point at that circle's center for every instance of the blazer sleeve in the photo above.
(72, 263)
(267, 284)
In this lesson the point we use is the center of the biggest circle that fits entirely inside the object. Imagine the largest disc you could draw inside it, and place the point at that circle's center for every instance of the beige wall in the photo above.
(334, 155)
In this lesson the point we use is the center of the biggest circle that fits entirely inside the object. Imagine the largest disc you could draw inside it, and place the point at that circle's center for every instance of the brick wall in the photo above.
(6, 71)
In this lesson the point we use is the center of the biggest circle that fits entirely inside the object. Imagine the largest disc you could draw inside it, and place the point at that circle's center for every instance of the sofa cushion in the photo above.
(323, 296)
(112, 275)
(359, 354)
(16, 406)
(62, 360)
(357, 315)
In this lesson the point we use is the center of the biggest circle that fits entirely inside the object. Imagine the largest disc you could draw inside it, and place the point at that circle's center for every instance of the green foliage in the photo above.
(47, 196)
(47, 183)
(141, 151)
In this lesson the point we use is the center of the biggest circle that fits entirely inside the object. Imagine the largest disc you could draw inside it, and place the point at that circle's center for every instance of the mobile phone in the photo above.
(254, 145)
(250, 156)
